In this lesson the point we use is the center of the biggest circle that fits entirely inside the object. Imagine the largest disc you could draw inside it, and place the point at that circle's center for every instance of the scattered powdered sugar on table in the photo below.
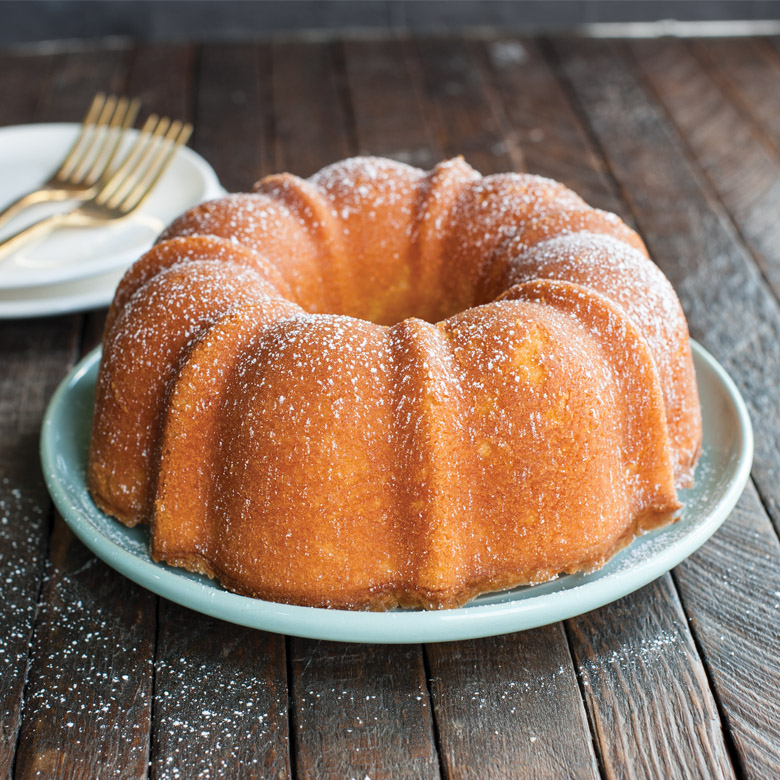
(22, 521)
(88, 685)
(224, 705)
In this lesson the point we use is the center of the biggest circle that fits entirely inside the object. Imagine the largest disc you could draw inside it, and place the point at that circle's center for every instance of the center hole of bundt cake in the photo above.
(386, 298)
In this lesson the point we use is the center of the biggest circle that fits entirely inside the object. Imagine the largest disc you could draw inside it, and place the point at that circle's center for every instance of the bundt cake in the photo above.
(381, 387)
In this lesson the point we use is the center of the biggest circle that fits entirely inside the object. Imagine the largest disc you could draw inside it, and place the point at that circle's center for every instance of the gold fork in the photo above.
(124, 190)
(91, 155)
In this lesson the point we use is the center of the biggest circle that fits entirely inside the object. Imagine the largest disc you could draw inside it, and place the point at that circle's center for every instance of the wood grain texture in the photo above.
(220, 705)
(76, 77)
(35, 356)
(358, 710)
(647, 692)
(535, 98)
(749, 68)
(741, 165)
(731, 590)
(690, 236)
(24, 83)
(361, 711)
(89, 695)
(234, 112)
(311, 120)
(510, 707)
(388, 103)
(467, 121)
(472, 739)
(543, 122)
(162, 76)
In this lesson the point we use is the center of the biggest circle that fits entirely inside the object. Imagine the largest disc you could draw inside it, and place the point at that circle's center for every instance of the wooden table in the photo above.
(681, 679)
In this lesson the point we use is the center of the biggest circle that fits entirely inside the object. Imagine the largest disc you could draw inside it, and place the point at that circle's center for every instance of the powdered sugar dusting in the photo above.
(22, 524)
(471, 430)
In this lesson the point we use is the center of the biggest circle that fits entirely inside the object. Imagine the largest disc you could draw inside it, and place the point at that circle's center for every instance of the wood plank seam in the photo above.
(339, 65)
(434, 713)
(614, 180)
(498, 109)
(432, 126)
(707, 185)
(706, 179)
(742, 655)
(728, 737)
(766, 506)
(597, 747)
(706, 200)
(155, 684)
(292, 719)
(33, 627)
(731, 92)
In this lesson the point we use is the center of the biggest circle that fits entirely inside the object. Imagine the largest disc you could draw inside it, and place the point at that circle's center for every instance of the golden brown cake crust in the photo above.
(382, 387)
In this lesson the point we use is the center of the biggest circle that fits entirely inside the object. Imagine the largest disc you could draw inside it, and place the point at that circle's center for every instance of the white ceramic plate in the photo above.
(720, 477)
(48, 300)
(29, 154)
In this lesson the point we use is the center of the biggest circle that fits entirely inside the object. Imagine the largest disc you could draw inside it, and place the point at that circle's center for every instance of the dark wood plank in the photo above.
(233, 112)
(387, 99)
(510, 707)
(23, 82)
(646, 689)
(220, 691)
(740, 635)
(87, 610)
(474, 740)
(220, 704)
(361, 711)
(543, 123)
(89, 695)
(467, 121)
(35, 356)
(535, 98)
(77, 76)
(741, 165)
(358, 710)
(163, 75)
(93, 329)
(749, 69)
(691, 238)
(312, 127)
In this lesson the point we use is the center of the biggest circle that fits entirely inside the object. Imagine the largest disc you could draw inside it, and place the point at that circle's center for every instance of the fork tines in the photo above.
(98, 140)
(143, 165)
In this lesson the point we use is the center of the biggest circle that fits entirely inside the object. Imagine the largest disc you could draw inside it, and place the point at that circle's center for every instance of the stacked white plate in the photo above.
(79, 268)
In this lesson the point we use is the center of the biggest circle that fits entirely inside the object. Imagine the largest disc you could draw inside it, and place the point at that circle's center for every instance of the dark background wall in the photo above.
(24, 21)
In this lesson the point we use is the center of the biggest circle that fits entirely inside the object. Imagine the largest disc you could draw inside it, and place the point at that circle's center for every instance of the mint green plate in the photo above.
(720, 477)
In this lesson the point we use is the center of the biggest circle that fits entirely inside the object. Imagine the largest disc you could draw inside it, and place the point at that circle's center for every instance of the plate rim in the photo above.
(211, 188)
(395, 627)
(97, 291)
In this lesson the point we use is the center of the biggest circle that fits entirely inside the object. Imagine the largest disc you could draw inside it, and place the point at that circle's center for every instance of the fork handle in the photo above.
(45, 194)
(37, 229)
(21, 203)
